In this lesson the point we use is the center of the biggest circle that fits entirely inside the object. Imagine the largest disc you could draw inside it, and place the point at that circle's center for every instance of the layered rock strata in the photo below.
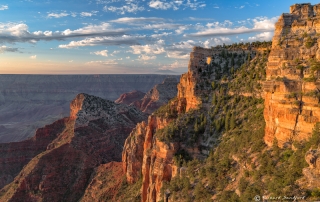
(128, 98)
(13, 156)
(29, 102)
(159, 95)
(292, 86)
(94, 134)
(144, 155)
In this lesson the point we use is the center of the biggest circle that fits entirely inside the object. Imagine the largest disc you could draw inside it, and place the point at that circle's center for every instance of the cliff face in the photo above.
(144, 154)
(147, 156)
(188, 95)
(159, 95)
(93, 135)
(128, 98)
(292, 87)
(13, 156)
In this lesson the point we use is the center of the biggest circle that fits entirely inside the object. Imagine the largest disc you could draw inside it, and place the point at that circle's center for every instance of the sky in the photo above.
(125, 36)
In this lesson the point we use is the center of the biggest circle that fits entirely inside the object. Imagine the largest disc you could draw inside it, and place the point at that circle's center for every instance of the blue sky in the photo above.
(124, 36)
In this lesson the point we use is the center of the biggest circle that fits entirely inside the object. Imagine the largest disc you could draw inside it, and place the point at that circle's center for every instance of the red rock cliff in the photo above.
(292, 86)
(93, 135)
(146, 156)
(15, 155)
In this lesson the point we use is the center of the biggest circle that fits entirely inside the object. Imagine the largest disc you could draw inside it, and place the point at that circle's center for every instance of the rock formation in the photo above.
(311, 173)
(15, 155)
(144, 155)
(292, 86)
(29, 102)
(159, 95)
(128, 98)
(93, 135)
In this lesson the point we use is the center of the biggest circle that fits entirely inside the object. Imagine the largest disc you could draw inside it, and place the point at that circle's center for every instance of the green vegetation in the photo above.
(168, 110)
(238, 158)
(309, 42)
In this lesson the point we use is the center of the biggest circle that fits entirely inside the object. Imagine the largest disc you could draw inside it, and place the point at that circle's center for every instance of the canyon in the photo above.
(242, 122)
(92, 135)
(159, 95)
(28, 102)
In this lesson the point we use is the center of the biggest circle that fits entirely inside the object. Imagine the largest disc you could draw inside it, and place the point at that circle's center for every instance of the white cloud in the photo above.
(216, 41)
(114, 53)
(18, 32)
(3, 7)
(146, 57)
(88, 14)
(175, 5)
(4, 49)
(106, 62)
(163, 5)
(161, 35)
(101, 53)
(70, 61)
(57, 15)
(175, 65)
(128, 57)
(33, 57)
(180, 50)
(95, 41)
(264, 23)
(129, 20)
(241, 7)
(264, 36)
(260, 24)
(150, 49)
(179, 28)
(128, 8)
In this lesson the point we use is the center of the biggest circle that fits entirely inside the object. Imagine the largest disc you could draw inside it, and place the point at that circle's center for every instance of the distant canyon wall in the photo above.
(28, 102)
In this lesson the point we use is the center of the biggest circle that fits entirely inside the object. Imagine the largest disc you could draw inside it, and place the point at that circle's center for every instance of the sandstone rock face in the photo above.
(93, 135)
(292, 87)
(159, 95)
(128, 98)
(144, 154)
(187, 93)
(311, 173)
(29, 102)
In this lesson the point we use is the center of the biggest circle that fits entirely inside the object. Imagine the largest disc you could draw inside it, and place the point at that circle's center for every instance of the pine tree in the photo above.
(227, 121)
(232, 122)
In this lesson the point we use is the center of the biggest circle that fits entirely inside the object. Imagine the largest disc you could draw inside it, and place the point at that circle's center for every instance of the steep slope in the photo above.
(182, 129)
(94, 135)
(292, 86)
(13, 156)
(219, 117)
(159, 95)
(29, 102)
(128, 98)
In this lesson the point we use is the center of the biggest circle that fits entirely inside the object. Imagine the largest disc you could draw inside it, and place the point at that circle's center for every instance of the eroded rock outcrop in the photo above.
(15, 155)
(159, 95)
(311, 173)
(145, 155)
(94, 135)
(292, 86)
(128, 98)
